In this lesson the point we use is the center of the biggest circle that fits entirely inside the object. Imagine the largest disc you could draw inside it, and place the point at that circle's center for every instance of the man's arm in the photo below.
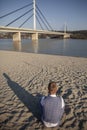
(63, 104)
(42, 100)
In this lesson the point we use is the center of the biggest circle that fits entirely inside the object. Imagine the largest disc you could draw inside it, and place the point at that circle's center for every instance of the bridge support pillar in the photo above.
(35, 36)
(17, 36)
(66, 35)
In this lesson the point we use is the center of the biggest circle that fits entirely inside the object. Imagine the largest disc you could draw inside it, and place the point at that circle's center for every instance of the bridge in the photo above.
(34, 32)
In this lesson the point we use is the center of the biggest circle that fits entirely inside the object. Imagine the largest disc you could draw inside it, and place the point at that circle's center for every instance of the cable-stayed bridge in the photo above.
(37, 16)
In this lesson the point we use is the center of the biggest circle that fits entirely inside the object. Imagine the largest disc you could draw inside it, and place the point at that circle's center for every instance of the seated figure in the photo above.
(52, 107)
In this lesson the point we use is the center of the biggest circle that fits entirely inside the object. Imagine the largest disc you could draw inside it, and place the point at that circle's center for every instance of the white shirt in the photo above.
(47, 124)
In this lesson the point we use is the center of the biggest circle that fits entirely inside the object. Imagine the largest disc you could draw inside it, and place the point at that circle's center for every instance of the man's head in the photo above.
(52, 88)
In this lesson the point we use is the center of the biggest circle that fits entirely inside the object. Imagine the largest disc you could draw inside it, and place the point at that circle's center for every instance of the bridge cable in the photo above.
(25, 21)
(19, 17)
(44, 17)
(42, 20)
(39, 23)
(16, 10)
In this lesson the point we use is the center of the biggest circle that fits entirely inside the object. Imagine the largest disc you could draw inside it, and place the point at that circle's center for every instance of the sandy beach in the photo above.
(23, 81)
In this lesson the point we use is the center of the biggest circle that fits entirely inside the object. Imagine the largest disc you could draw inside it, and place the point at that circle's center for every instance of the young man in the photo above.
(52, 107)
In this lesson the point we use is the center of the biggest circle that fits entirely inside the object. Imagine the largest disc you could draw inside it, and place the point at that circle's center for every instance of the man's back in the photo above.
(52, 109)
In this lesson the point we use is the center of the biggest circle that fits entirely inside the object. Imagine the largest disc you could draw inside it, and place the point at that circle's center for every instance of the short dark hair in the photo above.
(52, 86)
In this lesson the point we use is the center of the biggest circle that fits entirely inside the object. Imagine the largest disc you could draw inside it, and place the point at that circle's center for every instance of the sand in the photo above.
(23, 81)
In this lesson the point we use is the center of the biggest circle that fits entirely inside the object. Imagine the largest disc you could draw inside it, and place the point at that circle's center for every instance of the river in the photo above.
(65, 47)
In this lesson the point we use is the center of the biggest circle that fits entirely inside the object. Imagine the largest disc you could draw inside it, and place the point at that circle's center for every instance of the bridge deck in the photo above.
(12, 29)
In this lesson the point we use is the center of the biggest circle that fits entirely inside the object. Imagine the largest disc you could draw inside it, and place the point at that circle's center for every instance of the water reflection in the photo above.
(17, 45)
(65, 43)
(35, 45)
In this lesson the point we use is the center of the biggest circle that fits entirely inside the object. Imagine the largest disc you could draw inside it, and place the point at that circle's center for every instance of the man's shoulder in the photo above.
(59, 97)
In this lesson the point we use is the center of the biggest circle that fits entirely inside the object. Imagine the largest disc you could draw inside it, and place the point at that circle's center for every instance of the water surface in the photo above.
(65, 47)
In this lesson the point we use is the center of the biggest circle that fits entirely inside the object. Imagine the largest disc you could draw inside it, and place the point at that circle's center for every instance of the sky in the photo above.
(58, 13)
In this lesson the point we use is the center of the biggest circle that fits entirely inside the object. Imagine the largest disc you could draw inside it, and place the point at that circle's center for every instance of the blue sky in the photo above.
(57, 12)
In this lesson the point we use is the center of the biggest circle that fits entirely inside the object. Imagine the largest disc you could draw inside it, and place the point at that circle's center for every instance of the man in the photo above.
(52, 107)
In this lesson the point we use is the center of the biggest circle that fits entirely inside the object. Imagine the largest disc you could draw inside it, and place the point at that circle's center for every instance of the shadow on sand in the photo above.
(30, 101)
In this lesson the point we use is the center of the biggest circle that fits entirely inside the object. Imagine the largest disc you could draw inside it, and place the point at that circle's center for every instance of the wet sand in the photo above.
(23, 81)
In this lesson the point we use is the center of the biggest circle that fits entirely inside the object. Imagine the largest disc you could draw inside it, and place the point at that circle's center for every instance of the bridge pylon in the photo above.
(66, 35)
(34, 14)
(35, 35)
